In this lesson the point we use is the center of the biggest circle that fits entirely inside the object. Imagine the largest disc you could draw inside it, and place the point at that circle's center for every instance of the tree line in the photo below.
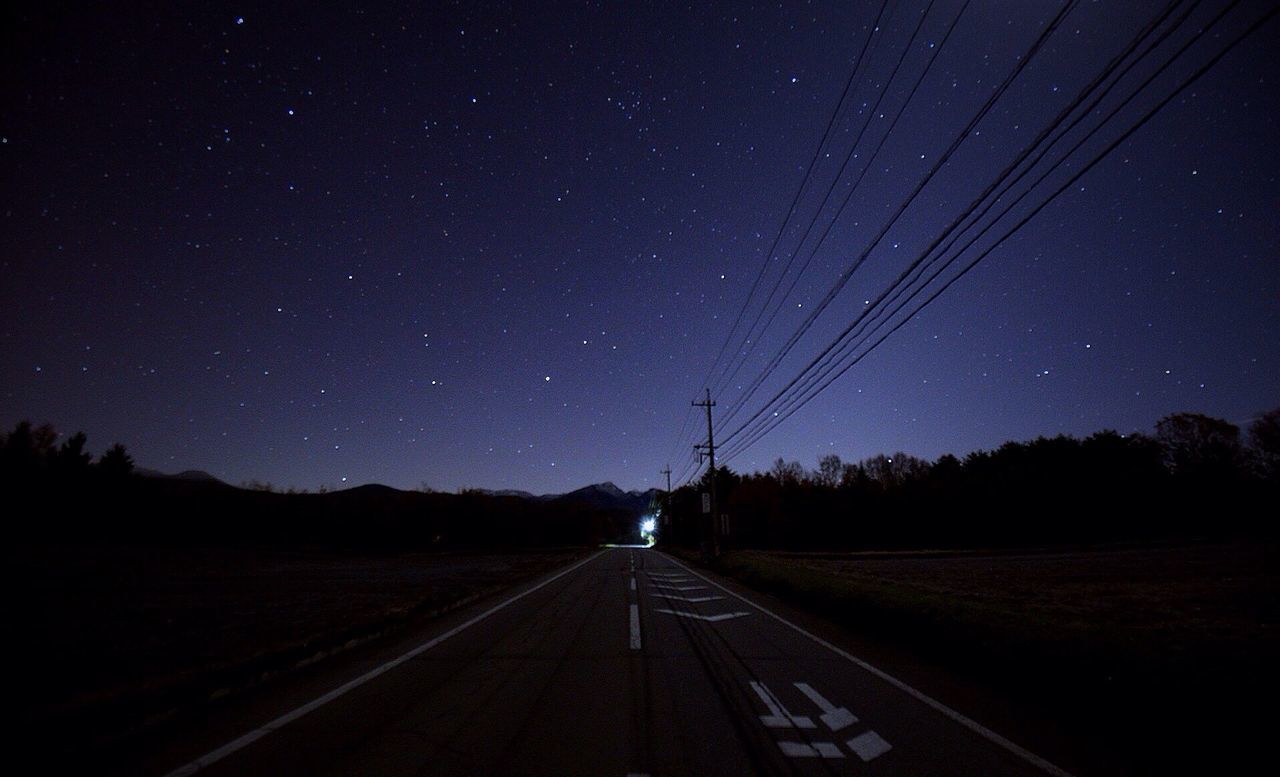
(1195, 476)
(76, 498)
(31, 456)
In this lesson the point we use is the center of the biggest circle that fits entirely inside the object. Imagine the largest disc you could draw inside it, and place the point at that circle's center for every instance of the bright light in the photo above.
(647, 528)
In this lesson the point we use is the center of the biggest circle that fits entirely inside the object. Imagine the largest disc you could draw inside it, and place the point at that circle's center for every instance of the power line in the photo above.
(682, 436)
(751, 342)
(795, 200)
(942, 160)
(1057, 121)
(1027, 217)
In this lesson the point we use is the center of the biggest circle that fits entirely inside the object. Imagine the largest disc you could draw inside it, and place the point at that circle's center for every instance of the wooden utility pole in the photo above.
(714, 533)
(666, 514)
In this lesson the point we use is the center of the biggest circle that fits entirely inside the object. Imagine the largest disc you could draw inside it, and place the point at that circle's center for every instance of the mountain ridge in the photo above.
(606, 494)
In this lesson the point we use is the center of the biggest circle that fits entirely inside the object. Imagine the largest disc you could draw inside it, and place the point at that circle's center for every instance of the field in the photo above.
(114, 636)
(1139, 648)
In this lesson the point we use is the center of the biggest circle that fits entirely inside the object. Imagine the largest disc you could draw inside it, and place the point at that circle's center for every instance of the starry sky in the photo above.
(503, 246)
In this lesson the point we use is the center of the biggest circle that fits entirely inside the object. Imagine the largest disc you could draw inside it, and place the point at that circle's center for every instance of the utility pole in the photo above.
(666, 514)
(714, 533)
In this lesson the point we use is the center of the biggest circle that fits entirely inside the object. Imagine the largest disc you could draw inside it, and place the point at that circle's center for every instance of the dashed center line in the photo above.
(635, 627)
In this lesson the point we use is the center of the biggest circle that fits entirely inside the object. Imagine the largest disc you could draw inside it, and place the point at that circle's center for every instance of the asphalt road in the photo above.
(627, 663)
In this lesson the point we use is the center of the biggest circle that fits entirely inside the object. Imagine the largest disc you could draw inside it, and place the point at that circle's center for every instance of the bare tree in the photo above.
(829, 469)
(1264, 440)
(787, 472)
(1199, 446)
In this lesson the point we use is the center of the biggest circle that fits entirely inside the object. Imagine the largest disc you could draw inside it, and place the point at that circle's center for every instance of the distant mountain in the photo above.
(605, 496)
(194, 475)
(513, 492)
(608, 496)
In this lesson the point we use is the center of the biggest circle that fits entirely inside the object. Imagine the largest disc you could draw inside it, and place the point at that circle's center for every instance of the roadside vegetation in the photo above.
(1194, 477)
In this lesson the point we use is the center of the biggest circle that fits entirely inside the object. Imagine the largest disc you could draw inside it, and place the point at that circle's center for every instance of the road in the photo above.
(626, 663)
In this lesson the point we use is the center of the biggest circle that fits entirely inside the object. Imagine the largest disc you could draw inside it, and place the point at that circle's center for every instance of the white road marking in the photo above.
(797, 750)
(635, 627)
(919, 696)
(633, 584)
(713, 618)
(817, 749)
(680, 587)
(835, 717)
(241, 742)
(869, 745)
(690, 599)
(778, 716)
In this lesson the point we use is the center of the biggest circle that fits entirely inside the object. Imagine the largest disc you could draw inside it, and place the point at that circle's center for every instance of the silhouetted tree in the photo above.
(1264, 440)
(853, 476)
(71, 461)
(947, 468)
(829, 470)
(115, 464)
(788, 473)
(1197, 447)
(893, 471)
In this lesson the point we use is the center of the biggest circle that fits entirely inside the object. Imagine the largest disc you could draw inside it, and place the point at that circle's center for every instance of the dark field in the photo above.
(1161, 604)
(116, 636)
(1139, 649)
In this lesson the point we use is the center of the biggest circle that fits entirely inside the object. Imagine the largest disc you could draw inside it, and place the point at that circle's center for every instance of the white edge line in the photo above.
(920, 696)
(240, 742)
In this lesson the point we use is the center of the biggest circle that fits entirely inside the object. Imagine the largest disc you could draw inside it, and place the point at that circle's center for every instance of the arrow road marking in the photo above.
(929, 701)
(713, 618)
(869, 745)
(817, 749)
(778, 716)
(693, 599)
(835, 717)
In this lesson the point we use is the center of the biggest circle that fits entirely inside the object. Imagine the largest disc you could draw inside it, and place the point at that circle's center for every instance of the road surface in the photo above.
(626, 663)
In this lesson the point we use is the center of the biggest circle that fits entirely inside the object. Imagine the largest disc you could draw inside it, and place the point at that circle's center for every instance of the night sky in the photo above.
(481, 245)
